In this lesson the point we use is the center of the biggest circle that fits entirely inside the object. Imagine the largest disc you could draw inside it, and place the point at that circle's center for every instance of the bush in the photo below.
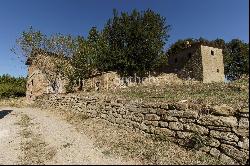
(12, 87)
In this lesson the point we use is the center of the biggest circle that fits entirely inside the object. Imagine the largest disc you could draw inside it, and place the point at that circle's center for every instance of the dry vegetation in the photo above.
(14, 102)
(115, 140)
(34, 148)
(234, 94)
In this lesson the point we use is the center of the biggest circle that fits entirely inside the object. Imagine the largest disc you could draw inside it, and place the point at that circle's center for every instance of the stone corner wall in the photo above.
(219, 131)
(213, 65)
(42, 77)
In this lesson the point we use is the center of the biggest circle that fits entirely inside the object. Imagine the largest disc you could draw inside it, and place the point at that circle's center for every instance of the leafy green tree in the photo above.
(236, 59)
(93, 41)
(180, 45)
(184, 43)
(93, 36)
(82, 61)
(220, 43)
(86, 57)
(12, 86)
(59, 45)
(98, 46)
(135, 41)
(29, 40)
(161, 62)
(32, 39)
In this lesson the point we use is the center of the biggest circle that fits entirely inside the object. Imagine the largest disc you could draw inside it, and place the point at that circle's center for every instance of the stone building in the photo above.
(200, 62)
(42, 74)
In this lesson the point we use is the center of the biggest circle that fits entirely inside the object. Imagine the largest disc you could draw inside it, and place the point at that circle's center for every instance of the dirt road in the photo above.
(32, 136)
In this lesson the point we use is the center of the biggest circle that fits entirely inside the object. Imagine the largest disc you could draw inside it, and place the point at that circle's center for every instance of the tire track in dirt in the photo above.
(34, 148)
(47, 139)
(9, 138)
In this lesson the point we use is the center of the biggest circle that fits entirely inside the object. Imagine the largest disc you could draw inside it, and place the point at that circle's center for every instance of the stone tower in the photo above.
(200, 62)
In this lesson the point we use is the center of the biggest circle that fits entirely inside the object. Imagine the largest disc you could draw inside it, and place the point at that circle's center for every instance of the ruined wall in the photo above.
(36, 84)
(213, 66)
(188, 63)
(104, 81)
(179, 60)
(110, 81)
(200, 63)
(43, 76)
(219, 131)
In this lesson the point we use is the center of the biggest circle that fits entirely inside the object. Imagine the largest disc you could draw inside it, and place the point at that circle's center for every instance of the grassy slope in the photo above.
(235, 94)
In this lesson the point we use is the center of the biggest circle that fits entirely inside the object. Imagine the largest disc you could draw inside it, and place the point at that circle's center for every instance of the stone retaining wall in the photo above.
(219, 131)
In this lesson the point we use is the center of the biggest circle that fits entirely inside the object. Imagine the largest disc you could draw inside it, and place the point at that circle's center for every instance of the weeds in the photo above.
(35, 149)
(234, 94)
(195, 142)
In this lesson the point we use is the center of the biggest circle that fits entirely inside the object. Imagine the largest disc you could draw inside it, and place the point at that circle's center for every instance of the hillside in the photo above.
(234, 94)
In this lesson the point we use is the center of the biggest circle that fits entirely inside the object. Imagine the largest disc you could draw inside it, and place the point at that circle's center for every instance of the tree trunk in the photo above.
(80, 85)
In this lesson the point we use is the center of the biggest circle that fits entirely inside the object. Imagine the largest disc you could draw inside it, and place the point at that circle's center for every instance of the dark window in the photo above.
(212, 52)
(218, 70)
(189, 55)
(32, 82)
(175, 60)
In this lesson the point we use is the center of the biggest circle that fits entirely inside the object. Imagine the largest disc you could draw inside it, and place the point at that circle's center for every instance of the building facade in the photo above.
(42, 79)
(199, 62)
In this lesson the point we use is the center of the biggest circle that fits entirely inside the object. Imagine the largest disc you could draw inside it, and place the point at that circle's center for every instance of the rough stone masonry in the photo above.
(200, 62)
(219, 131)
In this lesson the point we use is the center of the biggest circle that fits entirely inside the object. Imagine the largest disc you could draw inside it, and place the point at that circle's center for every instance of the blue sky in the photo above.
(210, 19)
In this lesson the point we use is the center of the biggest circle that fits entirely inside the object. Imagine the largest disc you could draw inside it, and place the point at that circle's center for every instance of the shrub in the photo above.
(12, 87)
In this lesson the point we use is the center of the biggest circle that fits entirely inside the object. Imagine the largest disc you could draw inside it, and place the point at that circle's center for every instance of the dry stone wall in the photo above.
(219, 131)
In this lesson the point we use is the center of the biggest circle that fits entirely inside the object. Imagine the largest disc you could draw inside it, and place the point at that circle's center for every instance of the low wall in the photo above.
(110, 81)
(219, 131)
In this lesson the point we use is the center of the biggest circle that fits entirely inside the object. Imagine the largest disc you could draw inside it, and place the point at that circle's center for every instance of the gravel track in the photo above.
(32, 136)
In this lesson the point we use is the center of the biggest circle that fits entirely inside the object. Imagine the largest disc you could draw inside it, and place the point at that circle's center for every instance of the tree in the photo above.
(12, 86)
(236, 59)
(135, 41)
(93, 36)
(219, 43)
(82, 61)
(59, 47)
(34, 39)
(87, 58)
(180, 45)
(185, 43)
(93, 41)
(28, 41)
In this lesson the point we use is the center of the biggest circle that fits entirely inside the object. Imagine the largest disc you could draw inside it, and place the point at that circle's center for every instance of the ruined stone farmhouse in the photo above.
(43, 76)
(200, 62)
